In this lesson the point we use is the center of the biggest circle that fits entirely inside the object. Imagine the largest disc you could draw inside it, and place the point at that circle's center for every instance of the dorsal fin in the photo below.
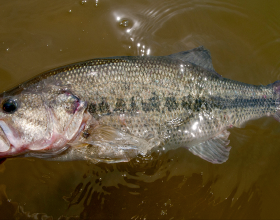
(199, 56)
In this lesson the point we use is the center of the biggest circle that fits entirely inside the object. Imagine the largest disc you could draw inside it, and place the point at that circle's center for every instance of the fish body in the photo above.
(112, 109)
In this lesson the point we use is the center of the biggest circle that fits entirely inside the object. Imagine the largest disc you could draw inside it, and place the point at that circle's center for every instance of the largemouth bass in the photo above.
(113, 109)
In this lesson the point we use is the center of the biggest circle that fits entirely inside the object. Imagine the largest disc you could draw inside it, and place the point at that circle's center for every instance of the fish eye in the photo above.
(9, 105)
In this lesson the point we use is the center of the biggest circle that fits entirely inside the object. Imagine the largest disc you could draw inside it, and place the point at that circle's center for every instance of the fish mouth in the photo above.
(4, 142)
(8, 139)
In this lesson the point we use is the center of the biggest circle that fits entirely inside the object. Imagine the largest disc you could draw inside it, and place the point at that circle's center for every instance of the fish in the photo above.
(114, 109)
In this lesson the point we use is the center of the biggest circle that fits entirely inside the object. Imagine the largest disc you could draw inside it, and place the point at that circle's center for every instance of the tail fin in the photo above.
(276, 90)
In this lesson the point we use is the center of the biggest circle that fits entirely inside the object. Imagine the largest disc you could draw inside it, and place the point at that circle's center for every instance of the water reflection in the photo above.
(190, 198)
(168, 197)
(129, 27)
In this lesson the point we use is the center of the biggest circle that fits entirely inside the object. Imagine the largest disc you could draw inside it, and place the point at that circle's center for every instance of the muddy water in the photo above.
(244, 40)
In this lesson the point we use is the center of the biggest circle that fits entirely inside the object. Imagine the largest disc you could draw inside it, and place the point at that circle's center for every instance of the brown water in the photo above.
(244, 39)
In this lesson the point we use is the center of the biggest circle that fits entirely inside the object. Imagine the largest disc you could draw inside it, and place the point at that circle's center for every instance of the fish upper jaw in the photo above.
(12, 143)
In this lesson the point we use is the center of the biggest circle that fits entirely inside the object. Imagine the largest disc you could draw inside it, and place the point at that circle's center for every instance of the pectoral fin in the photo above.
(214, 150)
(107, 144)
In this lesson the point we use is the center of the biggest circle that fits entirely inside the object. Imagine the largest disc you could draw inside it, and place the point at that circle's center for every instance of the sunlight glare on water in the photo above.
(243, 38)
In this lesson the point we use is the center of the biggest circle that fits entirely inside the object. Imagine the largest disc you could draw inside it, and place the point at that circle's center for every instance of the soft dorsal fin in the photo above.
(199, 56)
(214, 150)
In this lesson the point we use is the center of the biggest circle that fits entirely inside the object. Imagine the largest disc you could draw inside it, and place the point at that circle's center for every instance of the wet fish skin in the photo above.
(133, 105)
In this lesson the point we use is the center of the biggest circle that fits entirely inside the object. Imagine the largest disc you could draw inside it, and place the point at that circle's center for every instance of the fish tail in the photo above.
(276, 90)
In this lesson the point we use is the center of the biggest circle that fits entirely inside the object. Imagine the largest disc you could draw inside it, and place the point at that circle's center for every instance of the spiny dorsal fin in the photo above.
(214, 150)
(199, 56)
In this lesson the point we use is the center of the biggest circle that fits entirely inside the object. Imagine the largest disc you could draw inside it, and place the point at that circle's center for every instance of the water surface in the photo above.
(244, 40)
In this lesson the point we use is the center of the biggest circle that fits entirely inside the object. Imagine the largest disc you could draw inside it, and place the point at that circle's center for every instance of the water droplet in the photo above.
(83, 2)
(124, 23)
(7, 49)
(60, 50)
(70, 11)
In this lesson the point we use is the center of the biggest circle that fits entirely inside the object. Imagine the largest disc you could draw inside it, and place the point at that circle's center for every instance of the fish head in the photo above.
(39, 120)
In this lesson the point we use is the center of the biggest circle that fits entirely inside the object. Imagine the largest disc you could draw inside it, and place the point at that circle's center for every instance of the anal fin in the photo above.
(214, 150)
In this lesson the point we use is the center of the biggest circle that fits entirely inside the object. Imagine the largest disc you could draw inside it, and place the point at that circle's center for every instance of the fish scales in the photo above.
(165, 101)
(164, 90)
